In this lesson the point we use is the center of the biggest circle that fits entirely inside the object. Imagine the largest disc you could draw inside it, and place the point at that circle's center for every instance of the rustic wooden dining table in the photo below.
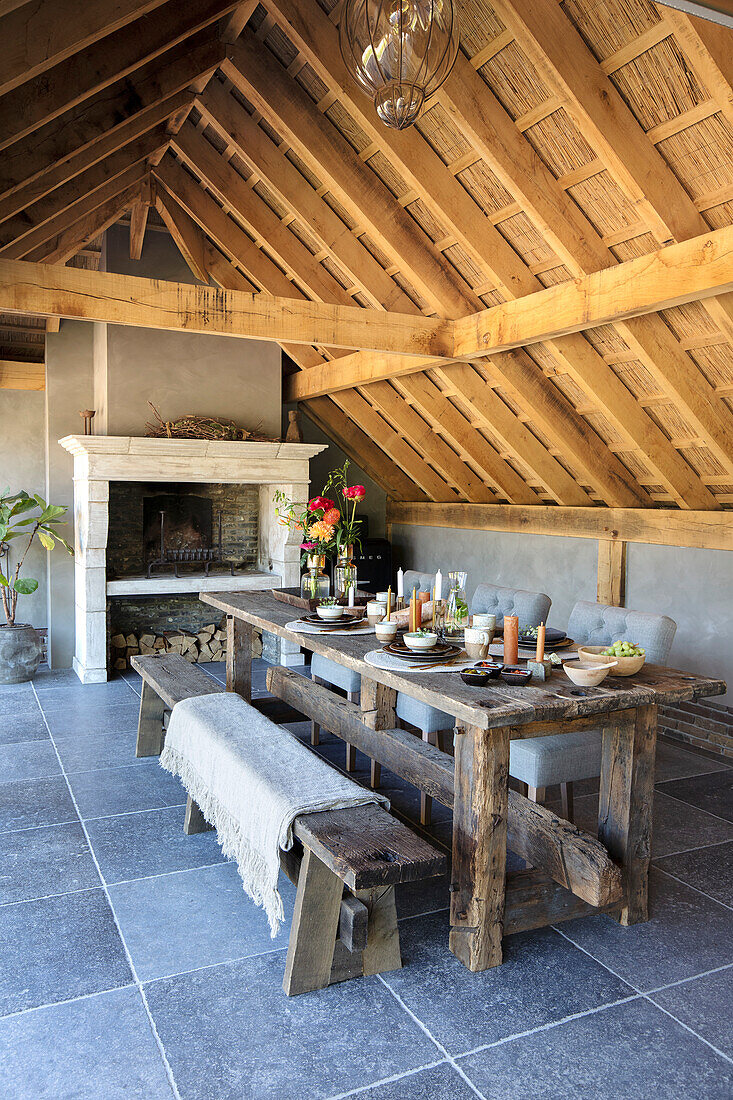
(571, 873)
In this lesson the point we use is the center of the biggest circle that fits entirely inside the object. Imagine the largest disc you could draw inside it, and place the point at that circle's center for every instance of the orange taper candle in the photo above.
(511, 639)
(540, 654)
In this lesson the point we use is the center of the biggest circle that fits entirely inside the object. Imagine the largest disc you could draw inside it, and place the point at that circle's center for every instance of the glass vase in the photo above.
(344, 573)
(456, 612)
(315, 585)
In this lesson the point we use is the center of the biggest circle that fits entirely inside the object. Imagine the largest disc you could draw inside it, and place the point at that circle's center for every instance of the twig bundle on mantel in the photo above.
(193, 426)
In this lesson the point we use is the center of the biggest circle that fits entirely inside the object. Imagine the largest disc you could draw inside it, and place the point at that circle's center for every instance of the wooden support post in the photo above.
(315, 727)
(611, 572)
(382, 951)
(239, 657)
(380, 702)
(194, 821)
(625, 803)
(479, 846)
(313, 931)
(150, 732)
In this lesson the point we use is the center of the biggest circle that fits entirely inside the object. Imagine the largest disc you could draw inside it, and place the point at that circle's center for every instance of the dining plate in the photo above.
(346, 622)
(439, 652)
(550, 647)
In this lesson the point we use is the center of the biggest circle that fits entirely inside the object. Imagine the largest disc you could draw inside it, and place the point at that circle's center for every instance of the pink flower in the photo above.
(307, 545)
(320, 502)
(355, 492)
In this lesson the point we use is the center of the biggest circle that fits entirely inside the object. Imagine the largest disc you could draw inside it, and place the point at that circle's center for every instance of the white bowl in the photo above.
(421, 641)
(587, 675)
(381, 597)
(330, 612)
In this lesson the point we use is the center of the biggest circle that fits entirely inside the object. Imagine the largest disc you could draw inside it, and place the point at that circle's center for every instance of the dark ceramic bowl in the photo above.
(513, 675)
(475, 677)
(492, 668)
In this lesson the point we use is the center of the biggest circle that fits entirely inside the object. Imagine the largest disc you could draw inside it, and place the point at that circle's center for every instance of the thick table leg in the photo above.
(239, 657)
(479, 846)
(150, 723)
(380, 701)
(625, 803)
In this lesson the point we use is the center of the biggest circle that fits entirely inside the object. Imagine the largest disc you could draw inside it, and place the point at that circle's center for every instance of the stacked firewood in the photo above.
(209, 644)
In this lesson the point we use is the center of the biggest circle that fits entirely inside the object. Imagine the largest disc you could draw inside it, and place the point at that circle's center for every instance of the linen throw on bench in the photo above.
(251, 779)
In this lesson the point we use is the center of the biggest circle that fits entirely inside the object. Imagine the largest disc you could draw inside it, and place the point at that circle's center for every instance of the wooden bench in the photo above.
(346, 863)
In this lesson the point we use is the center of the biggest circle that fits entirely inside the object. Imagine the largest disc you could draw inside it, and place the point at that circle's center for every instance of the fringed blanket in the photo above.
(251, 779)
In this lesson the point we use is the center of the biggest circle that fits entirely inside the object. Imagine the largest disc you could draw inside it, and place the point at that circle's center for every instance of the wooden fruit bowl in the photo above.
(627, 666)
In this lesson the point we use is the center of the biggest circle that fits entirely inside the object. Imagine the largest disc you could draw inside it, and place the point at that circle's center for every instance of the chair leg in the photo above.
(353, 697)
(566, 797)
(426, 802)
(376, 775)
(315, 728)
(536, 794)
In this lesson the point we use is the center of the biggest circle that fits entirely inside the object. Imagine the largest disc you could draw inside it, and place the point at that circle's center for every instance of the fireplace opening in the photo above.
(177, 530)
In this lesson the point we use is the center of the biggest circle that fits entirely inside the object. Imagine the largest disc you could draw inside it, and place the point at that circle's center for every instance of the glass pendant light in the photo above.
(399, 51)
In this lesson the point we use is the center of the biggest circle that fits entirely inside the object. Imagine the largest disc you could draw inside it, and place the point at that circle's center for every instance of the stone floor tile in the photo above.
(195, 918)
(704, 1005)
(543, 978)
(707, 869)
(97, 1048)
(685, 935)
(141, 786)
(71, 722)
(21, 723)
(110, 747)
(28, 760)
(713, 792)
(673, 762)
(58, 948)
(39, 862)
(149, 843)
(229, 1032)
(26, 804)
(630, 1050)
(438, 1083)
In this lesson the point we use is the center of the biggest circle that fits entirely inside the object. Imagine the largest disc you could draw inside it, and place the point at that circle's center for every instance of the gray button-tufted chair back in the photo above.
(531, 608)
(599, 624)
(422, 581)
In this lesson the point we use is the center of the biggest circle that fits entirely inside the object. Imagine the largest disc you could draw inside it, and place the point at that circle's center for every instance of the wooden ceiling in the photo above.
(570, 137)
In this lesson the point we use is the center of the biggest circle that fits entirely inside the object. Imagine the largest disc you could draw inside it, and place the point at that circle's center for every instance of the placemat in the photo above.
(304, 628)
(377, 658)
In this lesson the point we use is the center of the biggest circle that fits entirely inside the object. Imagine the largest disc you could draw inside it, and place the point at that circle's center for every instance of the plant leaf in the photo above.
(22, 506)
(46, 540)
(4, 581)
(51, 512)
(25, 585)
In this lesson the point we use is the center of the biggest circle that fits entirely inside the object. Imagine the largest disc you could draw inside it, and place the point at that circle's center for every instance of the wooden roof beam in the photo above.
(266, 84)
(84, 74)
(139, 218)
(105, 119)
(125, 300)
(14, 231)
(72, 240)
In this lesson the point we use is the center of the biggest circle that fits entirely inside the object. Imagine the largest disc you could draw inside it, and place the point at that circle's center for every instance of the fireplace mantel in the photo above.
(100, 459)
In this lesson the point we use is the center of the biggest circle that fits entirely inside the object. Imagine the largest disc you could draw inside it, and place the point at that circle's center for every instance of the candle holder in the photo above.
(541, 670)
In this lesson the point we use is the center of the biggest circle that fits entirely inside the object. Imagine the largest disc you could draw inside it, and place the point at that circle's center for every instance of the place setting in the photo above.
(330, 617)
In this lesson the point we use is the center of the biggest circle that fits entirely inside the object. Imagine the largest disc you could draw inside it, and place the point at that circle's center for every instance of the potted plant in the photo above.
(20, 646)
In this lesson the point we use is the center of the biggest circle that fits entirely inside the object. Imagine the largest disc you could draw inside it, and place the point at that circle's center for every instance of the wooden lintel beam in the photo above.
(126, 300)
(658, 526)
(17, 375)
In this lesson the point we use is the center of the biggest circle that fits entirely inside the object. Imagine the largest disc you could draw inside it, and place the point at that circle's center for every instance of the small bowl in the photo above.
(421, 641)
(331, 612)
(491, 668)
(386, 632)
(626, 666)
(475, 677)
(587, 675)
(510, 674)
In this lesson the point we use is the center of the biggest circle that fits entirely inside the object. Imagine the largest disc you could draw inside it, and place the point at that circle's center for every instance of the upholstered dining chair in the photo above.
(565, 758)
(531, 608)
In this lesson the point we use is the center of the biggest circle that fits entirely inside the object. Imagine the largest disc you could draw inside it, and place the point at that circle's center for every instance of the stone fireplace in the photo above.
(111, 473)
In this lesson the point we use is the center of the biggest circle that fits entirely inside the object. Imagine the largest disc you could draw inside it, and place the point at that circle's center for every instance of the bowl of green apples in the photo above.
(630, 657)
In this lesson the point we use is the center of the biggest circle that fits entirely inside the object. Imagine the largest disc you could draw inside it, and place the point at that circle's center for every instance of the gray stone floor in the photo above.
(132, 965)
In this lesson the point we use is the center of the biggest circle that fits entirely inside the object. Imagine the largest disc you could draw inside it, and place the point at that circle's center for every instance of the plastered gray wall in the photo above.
(22, 466)
(693, 587)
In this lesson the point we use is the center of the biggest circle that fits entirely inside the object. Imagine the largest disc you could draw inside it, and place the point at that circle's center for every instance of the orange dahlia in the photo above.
(332, 516)
(320, 531)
